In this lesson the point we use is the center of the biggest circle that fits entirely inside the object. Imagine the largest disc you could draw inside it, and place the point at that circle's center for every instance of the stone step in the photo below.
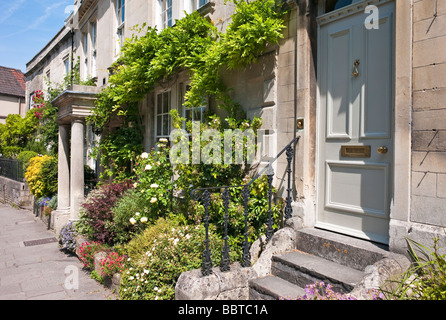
(348, 251)
(302, 269)
(273, 288)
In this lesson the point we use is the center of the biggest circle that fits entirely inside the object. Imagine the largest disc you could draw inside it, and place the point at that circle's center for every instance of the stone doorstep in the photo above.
(350, 265)
(273, 288)
(302, 269)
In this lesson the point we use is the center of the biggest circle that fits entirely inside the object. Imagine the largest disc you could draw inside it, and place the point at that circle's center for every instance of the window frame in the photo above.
(163, 114)
(120, 20)
(164, 12)
(94, 40)
(85, 47)
(201, 109)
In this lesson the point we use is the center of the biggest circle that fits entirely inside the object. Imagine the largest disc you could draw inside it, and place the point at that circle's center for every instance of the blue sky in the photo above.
(27, 26)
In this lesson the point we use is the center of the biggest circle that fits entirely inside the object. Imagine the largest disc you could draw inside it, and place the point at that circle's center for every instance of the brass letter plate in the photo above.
(355, 151)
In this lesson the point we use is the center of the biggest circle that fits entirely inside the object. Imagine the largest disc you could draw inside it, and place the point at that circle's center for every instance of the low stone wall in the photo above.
(15, 192)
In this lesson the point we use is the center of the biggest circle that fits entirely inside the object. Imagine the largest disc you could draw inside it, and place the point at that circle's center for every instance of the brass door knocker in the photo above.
(355, 72)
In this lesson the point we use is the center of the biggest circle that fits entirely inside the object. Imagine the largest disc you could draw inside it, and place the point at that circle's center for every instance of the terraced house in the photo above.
(359, 84)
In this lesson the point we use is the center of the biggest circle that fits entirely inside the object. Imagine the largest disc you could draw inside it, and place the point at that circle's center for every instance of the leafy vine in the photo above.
(195, 45)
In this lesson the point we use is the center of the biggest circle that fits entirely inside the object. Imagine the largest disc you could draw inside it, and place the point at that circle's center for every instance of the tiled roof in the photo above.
(12, 82)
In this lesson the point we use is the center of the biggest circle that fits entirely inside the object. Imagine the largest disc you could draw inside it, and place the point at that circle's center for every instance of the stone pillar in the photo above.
(63, 180)
(77, 167)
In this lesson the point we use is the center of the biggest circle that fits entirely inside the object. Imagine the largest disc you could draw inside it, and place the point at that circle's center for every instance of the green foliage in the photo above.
(133, 204)
(25, 156)
(159, 256)
(426, 279)
(16, 133)
(193, 44)
(117, 151)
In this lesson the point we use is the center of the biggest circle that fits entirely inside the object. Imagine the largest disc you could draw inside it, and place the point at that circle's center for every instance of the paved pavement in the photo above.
(35, 270)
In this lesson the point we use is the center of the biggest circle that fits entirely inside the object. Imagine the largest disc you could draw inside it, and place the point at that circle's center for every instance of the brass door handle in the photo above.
(355, 72)
(382, 149)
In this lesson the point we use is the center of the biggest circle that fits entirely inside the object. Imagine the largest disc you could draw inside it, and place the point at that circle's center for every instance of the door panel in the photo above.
(355, 110)
(338, 103)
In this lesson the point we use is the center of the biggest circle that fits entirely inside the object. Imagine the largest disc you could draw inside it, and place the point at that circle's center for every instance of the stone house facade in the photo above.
(12, 93)
(361, 82)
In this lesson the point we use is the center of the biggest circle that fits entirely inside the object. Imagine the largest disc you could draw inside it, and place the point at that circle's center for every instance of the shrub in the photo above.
(41, 176)
(67, 237)
(154, 179)
(96, 216)
(159, 255)
(127, 215)
(87, 251)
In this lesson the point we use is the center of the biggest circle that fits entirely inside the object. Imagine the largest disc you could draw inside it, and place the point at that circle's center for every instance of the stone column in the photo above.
(63, 180)
(77, 167)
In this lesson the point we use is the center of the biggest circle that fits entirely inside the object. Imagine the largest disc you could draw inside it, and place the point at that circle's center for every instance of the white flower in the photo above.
(144, 155)
(148, 167)
(132, 220)
(137, 214)
(135, 185)
(146, 271)
(131, 278)
(143, 219)
(153, 200)
(154, 185)
(156, 288)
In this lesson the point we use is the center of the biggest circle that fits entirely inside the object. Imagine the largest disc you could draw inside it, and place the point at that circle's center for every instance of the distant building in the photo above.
(12, 93)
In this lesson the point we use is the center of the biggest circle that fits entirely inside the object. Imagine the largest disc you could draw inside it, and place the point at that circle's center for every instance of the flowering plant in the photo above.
(39, 103)
(322, 291)
(111, 264)
(87, 251)
(67, 236)
(154, 172)
(158, 256)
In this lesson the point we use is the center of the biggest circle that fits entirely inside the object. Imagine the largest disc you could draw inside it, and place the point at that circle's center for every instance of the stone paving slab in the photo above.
(38, 272)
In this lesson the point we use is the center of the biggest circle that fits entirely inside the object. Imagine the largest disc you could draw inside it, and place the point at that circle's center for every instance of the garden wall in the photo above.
(15, 192)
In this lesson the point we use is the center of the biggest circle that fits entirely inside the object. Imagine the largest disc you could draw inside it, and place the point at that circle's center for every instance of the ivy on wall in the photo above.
(195, 45)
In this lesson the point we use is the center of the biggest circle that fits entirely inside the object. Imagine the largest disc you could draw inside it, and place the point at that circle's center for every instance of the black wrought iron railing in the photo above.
(204, 194)
(12, 169)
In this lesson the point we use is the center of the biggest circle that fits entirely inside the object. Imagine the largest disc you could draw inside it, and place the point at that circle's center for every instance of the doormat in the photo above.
(39, 241)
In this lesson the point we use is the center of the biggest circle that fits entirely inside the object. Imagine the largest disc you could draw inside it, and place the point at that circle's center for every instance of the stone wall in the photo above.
(15, 192)
(428, 186)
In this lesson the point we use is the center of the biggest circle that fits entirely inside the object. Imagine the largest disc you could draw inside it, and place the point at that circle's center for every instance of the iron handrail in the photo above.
(206, 198)
(295, 140)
